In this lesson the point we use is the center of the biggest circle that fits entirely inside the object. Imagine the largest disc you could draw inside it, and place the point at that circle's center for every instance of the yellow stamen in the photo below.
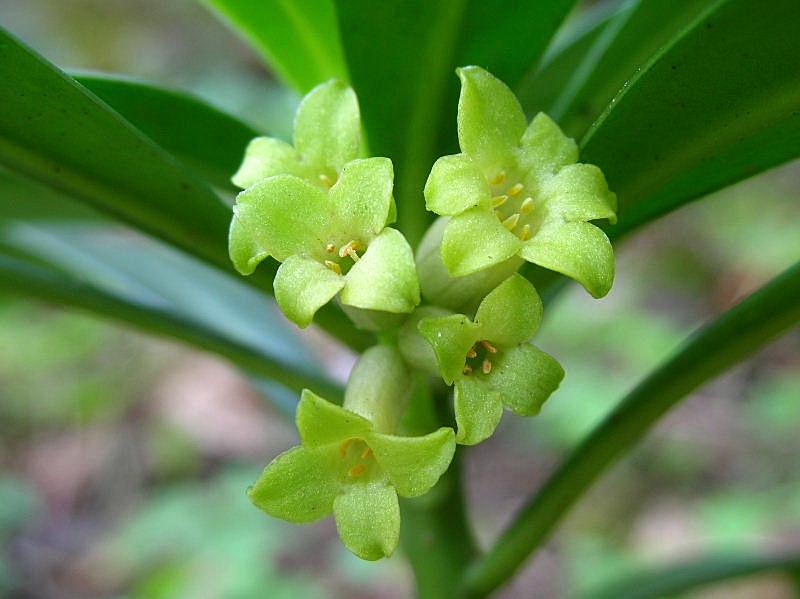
(467, 369)
(366, 454)
(527, 206)
(472, 353)
(511, 221)
(345, 446)
(330, 248)
(333, 266)
(515, 189)
(499, 201)
(499, 178)
(349, 249)
(525, 234)
(489, 347)
(486, 367)
(325, 180)
(357, 470)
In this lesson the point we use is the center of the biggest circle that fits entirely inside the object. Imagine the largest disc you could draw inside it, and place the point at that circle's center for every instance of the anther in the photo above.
(357, 470)
(345, 446)
(511, 221)
(467, 369)
(333, 266)
(486, 367)
(325, 180)
(515, 189)
(330, 248)
(366, 454)
(489, 347)
(499, 178)
(349, 249)
(472, 353)
(499, 201)
(525, 234)
(527, 206)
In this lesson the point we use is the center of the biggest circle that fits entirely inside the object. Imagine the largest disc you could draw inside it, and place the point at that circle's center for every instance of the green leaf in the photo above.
(300, 485)
(454, 185)
(478, 410)
(677, 579)
(303, 286)
(299, 40)
(475, 240)
(204, 138)
(414, 464)
(730, 338)
(368, 519)
(683, 126)
(451, 338)
(320, 422)
(511, 313)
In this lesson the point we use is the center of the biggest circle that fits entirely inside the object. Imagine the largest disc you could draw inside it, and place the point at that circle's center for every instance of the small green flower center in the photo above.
(480, 358)
(341, 259)
(513, 205)
(358, 461)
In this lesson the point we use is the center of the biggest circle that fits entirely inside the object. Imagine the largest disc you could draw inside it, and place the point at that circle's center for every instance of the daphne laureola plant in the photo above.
(515, 193)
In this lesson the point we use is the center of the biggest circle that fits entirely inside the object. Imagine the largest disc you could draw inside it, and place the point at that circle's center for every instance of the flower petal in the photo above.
(267, 157)
(451, 338)
(545, 148)
(368, 519)
(299, 485)
(302, 286)
(579, 250)
(385, 277)
(525, 377)
(579, 192)
(490, 119)
(327, 129)
(511, 313)
(413, 464)
(478, 411)
(454, 185)
(362, 197)
(320, 422)
(474, 240)
(245, 253)
(284, 215)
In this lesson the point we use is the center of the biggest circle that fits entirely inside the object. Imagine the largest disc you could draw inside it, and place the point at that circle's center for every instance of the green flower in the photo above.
(323, 214)
(350, 464)
(490, 361)
(516, 190)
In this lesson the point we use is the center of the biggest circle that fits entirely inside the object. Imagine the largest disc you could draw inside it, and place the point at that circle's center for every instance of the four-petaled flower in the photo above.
(516, 190)
(347, 465)
(323, 213)
(490, 360)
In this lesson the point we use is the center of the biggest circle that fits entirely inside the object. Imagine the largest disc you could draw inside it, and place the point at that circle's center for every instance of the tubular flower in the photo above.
(349, 463)
(517, 190)
(490, 361)
(323, 213)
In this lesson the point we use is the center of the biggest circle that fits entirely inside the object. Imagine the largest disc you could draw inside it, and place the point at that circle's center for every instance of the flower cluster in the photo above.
(515, 193)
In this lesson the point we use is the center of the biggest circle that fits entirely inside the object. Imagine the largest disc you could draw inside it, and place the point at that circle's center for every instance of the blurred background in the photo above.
(124, 458)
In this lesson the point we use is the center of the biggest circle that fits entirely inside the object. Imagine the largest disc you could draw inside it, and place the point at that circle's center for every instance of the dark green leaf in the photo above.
(202, 137)
(719, 345)
(680, 578)
(299, 40)
(717, 104)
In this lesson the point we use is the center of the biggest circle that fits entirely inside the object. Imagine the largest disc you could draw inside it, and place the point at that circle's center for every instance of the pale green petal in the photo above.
(299, 485)
(490, 119)
(267, 157)
(579, 192)
(545, 148)
(579, 250)
(478, 411)
(511, 313)
(385, 277)
(378, 387)
(451, 338)
(327, 128)
(302, 286)
(368, 519)
(454, 185)
(413, 464)
(525, 377)
(284, 215)
(361, 200)
(244, 252)
(474, 240)
(320, 422)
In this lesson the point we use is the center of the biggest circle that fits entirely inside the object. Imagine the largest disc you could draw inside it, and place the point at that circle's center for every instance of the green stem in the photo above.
(730, 338)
